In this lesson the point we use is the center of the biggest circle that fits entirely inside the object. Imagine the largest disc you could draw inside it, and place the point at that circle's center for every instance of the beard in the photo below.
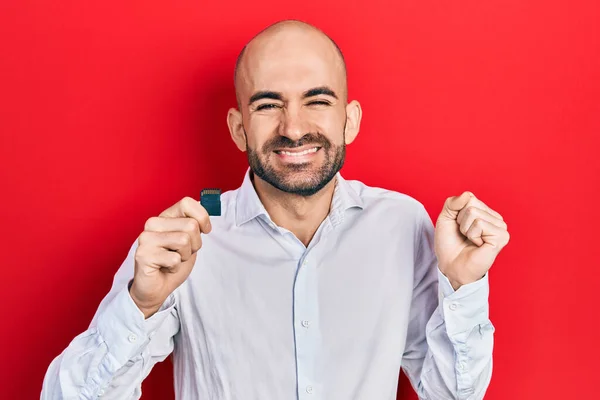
(304, 179)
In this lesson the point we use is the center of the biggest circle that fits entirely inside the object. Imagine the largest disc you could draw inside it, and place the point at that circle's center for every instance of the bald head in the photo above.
(293, 118)
(285, 37)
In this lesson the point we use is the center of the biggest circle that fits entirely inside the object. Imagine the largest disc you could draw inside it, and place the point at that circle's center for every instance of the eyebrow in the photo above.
(268, 94)
(265, 94)
(319, 90)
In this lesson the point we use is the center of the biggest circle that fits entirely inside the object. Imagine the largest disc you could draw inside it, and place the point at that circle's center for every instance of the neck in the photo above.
(299, 214)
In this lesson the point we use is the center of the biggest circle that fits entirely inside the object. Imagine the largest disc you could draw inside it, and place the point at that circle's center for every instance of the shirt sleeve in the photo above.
(448, 353)
(118, 350)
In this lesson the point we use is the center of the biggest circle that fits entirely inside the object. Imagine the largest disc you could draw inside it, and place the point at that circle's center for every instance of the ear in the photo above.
(236, 128)
(353, 117)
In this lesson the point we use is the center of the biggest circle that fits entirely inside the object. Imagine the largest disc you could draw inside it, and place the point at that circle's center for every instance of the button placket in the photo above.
(306, 313)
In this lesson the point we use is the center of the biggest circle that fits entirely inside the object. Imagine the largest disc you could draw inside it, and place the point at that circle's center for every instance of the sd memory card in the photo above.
(210, 199)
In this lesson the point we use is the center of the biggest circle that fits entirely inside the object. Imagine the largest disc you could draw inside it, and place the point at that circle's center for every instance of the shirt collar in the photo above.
(249, 206)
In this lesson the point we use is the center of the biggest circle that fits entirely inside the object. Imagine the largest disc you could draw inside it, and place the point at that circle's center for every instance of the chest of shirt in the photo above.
(255, 287)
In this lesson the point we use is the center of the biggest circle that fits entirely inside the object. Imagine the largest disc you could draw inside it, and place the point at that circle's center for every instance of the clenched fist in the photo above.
(166, 253)
(469, 235)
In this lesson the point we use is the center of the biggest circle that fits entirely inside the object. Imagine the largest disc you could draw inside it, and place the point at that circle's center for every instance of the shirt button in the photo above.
(304, 262)
(305, 323)
(132, 338)
(462, 366)
(309, 389)
(101, 393)
(453, 306)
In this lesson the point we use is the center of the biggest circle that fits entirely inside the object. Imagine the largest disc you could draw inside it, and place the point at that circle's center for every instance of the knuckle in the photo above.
(187, 201)
(196, 239)
(150, 222)
(144, 237)
(174, 258)
(183, 239)
(470, 211)
(140, 255)
(191, 225)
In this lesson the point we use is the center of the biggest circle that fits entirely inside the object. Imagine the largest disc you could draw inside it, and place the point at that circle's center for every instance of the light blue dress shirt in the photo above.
(262, 316)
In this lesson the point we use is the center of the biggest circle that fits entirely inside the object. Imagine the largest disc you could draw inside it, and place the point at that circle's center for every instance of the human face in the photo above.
(295, 139)
(293, 111)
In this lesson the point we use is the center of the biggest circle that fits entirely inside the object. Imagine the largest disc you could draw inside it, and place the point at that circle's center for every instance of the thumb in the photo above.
(454, 204)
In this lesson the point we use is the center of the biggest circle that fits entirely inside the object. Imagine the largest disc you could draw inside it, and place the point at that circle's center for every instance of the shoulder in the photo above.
(382, 200)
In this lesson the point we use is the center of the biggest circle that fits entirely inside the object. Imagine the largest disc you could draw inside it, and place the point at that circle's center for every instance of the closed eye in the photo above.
(319, 102)
(266, 106)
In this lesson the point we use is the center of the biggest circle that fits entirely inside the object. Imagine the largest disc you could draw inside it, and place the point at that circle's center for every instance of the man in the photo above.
(308, 286)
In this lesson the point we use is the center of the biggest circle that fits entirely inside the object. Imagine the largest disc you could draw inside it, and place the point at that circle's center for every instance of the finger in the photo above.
(185, 265)
(178, 242)
(189, 208)
(166, 259)
(187, 225)
(157, 258)
(483, 232)
(480, 204)
(453, 205)
(467, 215)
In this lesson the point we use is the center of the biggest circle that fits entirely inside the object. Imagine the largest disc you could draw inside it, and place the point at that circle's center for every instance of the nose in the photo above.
(292, 124)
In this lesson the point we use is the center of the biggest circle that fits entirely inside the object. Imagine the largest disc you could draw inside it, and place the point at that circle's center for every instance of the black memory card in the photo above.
(210, 199)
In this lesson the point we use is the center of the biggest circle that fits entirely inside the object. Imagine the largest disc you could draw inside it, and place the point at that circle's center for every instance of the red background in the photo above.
(112, 111)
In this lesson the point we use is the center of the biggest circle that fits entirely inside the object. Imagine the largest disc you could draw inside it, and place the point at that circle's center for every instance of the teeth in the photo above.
(287, 153)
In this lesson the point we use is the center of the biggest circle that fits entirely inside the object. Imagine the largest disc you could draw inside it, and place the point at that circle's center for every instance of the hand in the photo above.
(167, 252)
(468, 237)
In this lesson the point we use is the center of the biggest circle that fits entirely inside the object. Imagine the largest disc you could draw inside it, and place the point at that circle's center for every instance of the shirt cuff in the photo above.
(123, 328)
(465, 308)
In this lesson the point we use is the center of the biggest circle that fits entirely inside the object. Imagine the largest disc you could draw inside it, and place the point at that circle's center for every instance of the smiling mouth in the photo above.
(298, 153)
